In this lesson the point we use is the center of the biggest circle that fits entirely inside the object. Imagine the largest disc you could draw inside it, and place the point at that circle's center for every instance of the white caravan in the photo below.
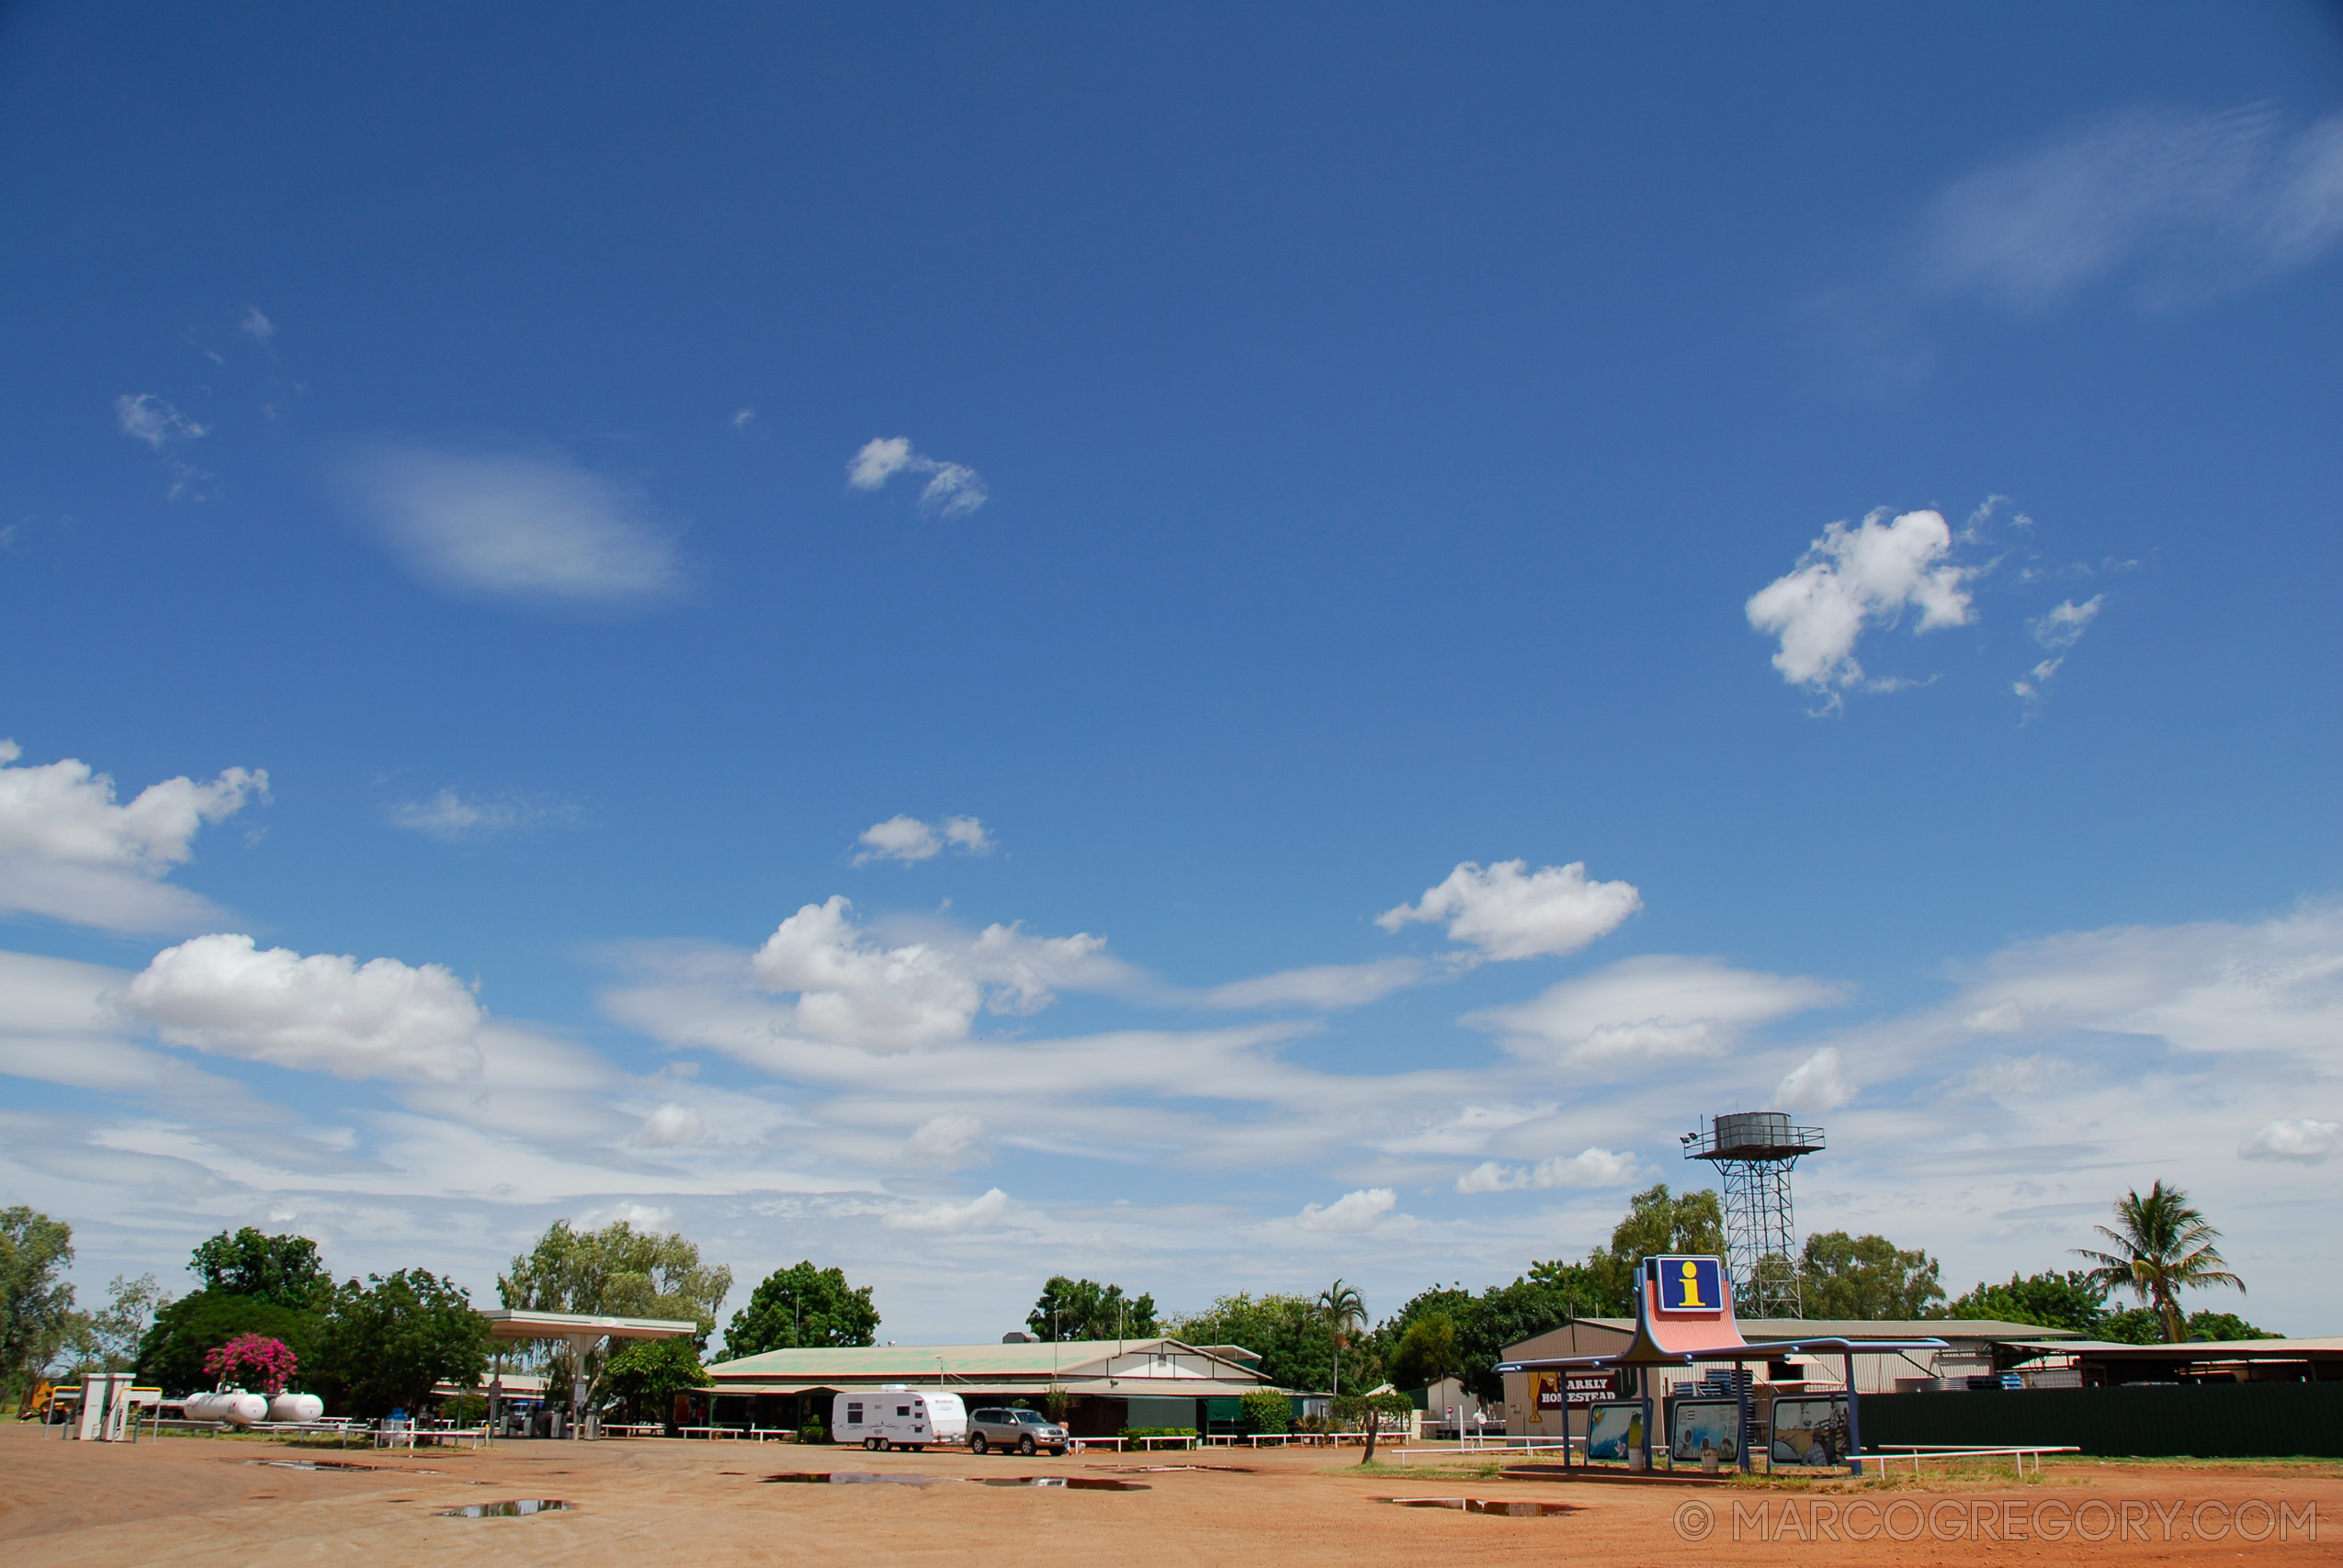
(897, 1417)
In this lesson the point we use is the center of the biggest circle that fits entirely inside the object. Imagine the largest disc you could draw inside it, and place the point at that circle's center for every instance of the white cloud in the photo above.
(952, 488)
(1326, 987)
(2297, 1138)
(944, 1141)
(910, 841)
(454, 819)
(977, 1214)
(256, 326)
(1853, 579)
(742, 418)
(2035, 683)
(148, 418)
(2058, 629)
(1593, 1167)
(1508, 914)
(906, 839)
(2064, 623)
(1650, 1011)
(1351, 1214)
(879, 461)
(673, 1126)
(966, 835)
(69, 852)
(381, 1019)
(1818, 1084)
(2192, 204)
(529, 528)
(852, 990)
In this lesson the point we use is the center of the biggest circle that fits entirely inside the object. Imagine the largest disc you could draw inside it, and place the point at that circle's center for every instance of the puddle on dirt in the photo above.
(1159, 1469)
(512, 1510)
(1071, 1483)
(1487, 1506)
(334, 1464)
(853, 1477)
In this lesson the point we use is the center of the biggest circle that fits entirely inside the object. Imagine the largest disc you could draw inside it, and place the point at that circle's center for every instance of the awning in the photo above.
(506, 1323)
(1112, 1388)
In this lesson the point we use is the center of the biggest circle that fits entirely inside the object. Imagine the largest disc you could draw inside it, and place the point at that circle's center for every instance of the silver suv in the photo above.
(1023, 1430)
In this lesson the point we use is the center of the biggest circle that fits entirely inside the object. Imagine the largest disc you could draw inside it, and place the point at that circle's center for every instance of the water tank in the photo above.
(1757, 1132)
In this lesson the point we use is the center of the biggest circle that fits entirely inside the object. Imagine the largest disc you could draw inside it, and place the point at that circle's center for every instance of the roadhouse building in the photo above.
(1535, 1402)
(1109, 1384)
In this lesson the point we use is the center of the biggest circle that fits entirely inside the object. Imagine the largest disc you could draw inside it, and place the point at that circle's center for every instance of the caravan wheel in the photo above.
(871, 1444)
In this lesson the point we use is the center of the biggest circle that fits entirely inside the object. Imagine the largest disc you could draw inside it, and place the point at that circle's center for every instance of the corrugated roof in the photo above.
(1765, 1330)
(2196, 1350)
(918, 1363)
(981, 1389)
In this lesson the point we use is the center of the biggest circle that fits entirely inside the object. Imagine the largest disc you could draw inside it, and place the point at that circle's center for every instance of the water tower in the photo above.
(1756, 1150)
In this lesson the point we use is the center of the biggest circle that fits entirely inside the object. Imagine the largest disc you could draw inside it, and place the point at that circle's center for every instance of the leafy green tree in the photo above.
(801, 1307)
(2054, 1301)
(282, 1270)
(1427, 1352)
(1656, 1223)
(388, 1341)
(617, 1271)
(37, 1316)
(1502, 1316)
(111, 1344)
(1373, 1414)
(646, 1375)
(171, 1352)
(1070, 1310)
(1261, 1410)
(2164, 1245)
(2145, 1326)
(1292, 1334)
(1866, 1278)
(2210, 1324)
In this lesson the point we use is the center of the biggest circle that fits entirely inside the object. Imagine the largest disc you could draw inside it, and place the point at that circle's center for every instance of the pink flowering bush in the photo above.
(271, 1363)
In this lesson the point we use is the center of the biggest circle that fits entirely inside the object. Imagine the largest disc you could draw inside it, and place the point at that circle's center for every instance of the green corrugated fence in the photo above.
(2205, 1420)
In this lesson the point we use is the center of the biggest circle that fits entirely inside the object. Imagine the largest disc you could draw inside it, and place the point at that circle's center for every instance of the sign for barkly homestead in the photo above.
(1690, 1284)
(1557, 1391)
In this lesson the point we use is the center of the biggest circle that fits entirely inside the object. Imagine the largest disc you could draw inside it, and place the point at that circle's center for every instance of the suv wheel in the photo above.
(1025, 1445)
(976, 1443)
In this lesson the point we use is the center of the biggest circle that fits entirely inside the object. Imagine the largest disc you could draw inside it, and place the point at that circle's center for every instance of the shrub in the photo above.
(1159, 1431)
(1262, 1411)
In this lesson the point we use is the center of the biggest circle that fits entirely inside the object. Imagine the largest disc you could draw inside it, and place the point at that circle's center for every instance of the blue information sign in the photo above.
(1690, 1284)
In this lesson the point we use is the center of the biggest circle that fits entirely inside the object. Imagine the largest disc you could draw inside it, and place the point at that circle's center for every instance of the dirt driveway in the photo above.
(234, 1500)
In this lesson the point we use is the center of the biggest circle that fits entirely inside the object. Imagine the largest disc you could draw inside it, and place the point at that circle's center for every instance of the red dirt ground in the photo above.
(198, 1501)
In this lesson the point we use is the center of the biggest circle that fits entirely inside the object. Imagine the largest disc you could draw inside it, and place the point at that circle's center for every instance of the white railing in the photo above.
(1527, 1446)
(1917, 1452)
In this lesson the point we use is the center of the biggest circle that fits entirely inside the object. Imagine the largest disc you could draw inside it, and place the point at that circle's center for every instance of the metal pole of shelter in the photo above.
(1643, 1388)
(1854, 1426)
(1741, 1400)
(579, 1344)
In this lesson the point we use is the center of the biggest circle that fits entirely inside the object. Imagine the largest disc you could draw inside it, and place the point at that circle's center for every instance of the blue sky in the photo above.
(1371, 611)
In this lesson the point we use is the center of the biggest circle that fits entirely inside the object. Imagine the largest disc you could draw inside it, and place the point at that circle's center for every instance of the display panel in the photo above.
(1810, 1431)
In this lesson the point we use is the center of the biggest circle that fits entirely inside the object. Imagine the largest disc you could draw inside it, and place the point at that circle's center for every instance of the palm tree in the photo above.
(1345, 1311)
(2166, 1247)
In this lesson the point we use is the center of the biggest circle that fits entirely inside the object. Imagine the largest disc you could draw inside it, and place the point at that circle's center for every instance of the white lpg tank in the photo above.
(234, 1406)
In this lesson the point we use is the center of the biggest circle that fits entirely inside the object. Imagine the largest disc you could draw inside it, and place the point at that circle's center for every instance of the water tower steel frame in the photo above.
(1755, 1151)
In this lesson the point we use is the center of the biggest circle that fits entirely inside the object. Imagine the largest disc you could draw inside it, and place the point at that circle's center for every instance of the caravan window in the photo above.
(903, 1410)
(854, 1414)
